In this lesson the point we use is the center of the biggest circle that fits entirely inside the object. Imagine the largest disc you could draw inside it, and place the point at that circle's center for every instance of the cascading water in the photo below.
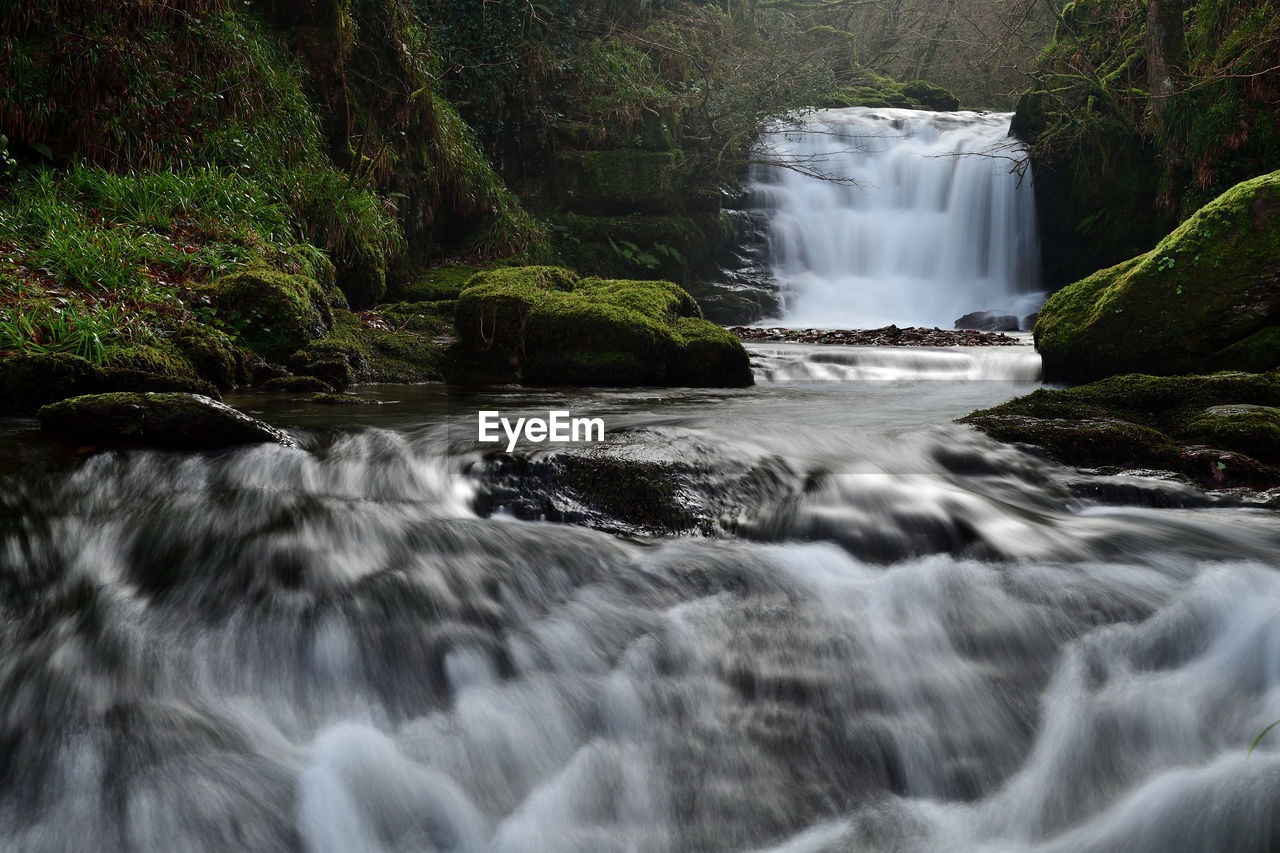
(886, 216)
(891, 634)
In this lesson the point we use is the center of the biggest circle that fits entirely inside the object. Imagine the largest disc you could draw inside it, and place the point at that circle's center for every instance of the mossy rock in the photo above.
(492, 309)
(621, 181)
(186, 421)
(297, 385)
(1206, 298)
(1186, 424)
(150, 359)
(274, 313)
(882, 92)
(212, 355)
(555, 330)
(1248, 428)
(356, 351)
(28, 382)
(930, 96)
(437, 284)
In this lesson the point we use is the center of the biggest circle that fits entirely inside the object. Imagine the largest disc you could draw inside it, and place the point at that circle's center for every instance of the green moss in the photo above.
(1142, 421)
(297, 385)
(491, 311)
(597, 331)
(707, 356)
(212, 354)
(151, 359)
(375, 353)
(1250, 429)
(1187, 306)
(1260, 351)
(270, 312)
(436, 284)
(877, 91)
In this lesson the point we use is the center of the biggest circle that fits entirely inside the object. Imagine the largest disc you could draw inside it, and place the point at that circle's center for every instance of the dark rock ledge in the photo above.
(888, 336)
(169, 420)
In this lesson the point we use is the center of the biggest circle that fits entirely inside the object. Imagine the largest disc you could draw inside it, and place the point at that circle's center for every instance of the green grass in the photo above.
(38, 326)
(94, 230)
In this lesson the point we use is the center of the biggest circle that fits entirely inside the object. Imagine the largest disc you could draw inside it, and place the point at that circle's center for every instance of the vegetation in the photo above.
(1119, 159)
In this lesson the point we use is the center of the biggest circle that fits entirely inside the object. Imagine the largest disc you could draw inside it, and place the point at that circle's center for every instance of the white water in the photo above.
(897, 636)
(925, 221)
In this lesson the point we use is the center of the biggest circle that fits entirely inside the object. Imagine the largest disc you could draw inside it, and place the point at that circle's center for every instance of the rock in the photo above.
(28, 382)
(213, 355)
(989, 321)
(619, 496)
(171, 420)
(326, 399)
(552, 328)
(1206, 298)
(1251, 429)
(298, 385)
(1222, 429)
(274, 313)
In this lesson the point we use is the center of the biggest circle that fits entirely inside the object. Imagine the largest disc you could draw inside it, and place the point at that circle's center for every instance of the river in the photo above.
(893, 634)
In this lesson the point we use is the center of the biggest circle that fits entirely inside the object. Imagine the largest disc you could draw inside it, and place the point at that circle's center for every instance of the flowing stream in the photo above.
(889, 634)
(879, 216)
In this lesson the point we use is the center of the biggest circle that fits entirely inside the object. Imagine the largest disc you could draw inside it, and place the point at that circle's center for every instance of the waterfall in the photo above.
(882, 216)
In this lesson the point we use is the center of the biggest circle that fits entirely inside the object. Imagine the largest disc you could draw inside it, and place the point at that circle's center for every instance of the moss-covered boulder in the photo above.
(1221, 429)
(213, 355)
(1206, 298)
(399, 343)
(873, 90)
(556, 329)
(272, 313)
(184, 421)
(28, 382)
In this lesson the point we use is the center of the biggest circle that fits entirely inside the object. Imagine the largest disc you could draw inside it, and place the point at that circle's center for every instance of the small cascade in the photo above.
(898, 216)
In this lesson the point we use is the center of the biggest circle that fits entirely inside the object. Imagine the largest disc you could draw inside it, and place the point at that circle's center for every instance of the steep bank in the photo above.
(1118, 167)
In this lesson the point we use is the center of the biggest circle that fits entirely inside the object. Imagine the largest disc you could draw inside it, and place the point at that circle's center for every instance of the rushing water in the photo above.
(899, 216)
(892, 635)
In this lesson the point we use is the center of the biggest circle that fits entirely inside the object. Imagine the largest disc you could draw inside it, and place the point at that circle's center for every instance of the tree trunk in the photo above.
(1166, 50)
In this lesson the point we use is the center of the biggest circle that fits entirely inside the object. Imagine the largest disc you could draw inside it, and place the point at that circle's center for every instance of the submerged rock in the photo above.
(183, 421)
(615, 495)
(989, 321)
(1206, 298)
(1221, 430)
(553, 328)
